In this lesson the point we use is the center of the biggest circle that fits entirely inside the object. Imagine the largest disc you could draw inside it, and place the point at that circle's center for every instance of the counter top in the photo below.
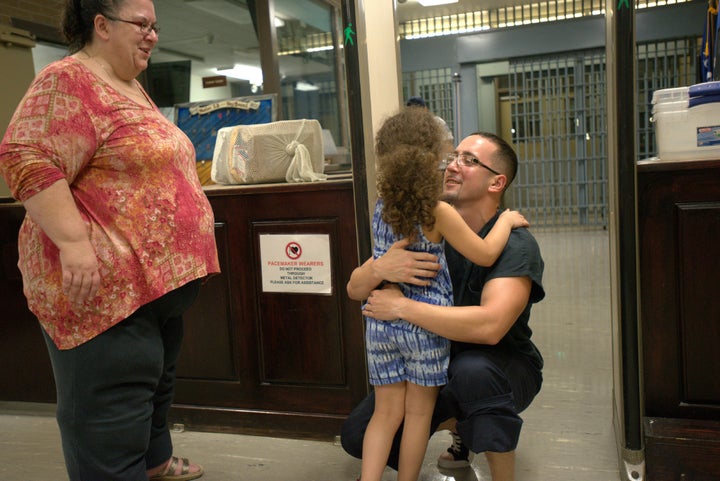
(334, 181)
(655, 165)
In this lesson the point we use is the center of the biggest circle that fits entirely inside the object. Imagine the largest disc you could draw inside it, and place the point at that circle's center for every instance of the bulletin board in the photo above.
(201, 120)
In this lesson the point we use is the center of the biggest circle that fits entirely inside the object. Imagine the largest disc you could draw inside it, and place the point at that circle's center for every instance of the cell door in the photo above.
(552, 111)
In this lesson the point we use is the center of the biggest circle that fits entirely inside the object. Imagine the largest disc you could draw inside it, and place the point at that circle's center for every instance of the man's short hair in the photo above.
(504, 154)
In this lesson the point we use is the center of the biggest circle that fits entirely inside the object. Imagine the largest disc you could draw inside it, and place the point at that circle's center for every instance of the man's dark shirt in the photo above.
(520, 258)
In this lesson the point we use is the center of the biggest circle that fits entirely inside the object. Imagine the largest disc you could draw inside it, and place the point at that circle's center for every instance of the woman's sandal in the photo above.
(168, 474)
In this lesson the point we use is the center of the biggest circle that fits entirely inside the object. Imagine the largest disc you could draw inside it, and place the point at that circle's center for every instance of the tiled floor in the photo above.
(568, 432)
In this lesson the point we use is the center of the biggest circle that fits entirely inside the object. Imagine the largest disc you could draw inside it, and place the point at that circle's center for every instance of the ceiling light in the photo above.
(243, 72)
(303, 86)
(320, 49)
(434, 3)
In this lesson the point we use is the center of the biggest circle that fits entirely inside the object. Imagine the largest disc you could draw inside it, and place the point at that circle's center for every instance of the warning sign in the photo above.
(297, 263)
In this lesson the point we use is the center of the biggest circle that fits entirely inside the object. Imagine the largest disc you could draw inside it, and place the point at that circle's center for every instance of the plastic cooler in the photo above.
(687, 122)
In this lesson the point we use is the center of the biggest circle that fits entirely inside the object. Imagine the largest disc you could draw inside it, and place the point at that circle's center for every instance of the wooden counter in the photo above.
(280, 364)
(25, 374)
(679, 250)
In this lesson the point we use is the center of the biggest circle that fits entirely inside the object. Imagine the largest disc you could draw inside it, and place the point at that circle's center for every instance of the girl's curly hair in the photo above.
(408, 148)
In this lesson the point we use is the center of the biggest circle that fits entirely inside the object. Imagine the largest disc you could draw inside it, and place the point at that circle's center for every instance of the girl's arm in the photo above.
(483, 252)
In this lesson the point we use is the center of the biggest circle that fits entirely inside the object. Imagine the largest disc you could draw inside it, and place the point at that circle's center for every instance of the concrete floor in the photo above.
(567, 435)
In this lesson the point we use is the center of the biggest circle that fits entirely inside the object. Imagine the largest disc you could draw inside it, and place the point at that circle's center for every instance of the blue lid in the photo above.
(705, 99)
(705, 88)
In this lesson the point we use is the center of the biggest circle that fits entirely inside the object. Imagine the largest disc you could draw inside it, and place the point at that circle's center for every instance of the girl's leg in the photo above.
(388, 414)
(419, 406)
(502, 465)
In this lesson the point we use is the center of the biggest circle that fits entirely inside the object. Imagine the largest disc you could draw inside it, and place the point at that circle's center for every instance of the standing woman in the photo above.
(117, 237)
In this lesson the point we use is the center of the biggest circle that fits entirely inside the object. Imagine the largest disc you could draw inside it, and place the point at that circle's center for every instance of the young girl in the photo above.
(407, 364)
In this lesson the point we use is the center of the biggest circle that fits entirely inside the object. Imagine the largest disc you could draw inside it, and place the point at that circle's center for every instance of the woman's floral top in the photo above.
(133, 177)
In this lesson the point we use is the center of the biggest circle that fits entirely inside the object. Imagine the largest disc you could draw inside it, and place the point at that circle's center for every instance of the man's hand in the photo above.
(396, 265)
(385, 304)
(400, 265)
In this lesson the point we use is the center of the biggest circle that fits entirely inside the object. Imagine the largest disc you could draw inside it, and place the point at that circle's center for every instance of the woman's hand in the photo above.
(385, 304)
(55, 211)
(80, 274)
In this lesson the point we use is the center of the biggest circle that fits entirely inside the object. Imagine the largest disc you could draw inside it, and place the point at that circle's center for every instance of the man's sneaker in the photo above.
(456, 456)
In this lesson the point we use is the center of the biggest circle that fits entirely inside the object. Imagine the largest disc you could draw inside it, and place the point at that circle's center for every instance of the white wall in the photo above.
(379, 57)
(200, 94)
(45, 54)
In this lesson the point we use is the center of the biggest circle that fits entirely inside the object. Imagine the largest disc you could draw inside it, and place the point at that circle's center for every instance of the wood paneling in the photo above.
(26, 370)
(292, 362)
(209, 326)
(280, 364)
(682, 450)
(679, 237)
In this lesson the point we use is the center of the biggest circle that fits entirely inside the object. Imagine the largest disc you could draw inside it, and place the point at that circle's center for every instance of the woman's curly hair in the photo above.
(408, 148)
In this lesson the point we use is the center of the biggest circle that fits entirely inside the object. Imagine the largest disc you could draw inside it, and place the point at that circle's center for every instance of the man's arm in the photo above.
(503, 300)
(396, 265)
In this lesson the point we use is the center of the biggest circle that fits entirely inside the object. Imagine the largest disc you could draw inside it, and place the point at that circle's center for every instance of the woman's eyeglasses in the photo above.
(145, 27)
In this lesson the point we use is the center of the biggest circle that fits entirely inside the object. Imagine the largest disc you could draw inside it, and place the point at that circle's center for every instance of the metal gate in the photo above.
(559, 133)
(436, 87)
(558, 124)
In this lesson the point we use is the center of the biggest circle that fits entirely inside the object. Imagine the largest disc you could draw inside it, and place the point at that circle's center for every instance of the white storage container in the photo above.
(670, 95)
(683, 132)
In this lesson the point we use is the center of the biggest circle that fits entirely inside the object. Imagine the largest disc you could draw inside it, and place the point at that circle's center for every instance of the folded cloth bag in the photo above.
(288, 150)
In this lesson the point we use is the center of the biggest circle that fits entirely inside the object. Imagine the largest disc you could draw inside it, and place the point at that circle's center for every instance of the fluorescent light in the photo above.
(320, 49)
(434, 3)
(243, 72)
(305, 86)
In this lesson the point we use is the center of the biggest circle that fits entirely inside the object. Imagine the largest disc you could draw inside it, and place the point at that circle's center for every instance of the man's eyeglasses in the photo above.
(465, 160)
(145, 27)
